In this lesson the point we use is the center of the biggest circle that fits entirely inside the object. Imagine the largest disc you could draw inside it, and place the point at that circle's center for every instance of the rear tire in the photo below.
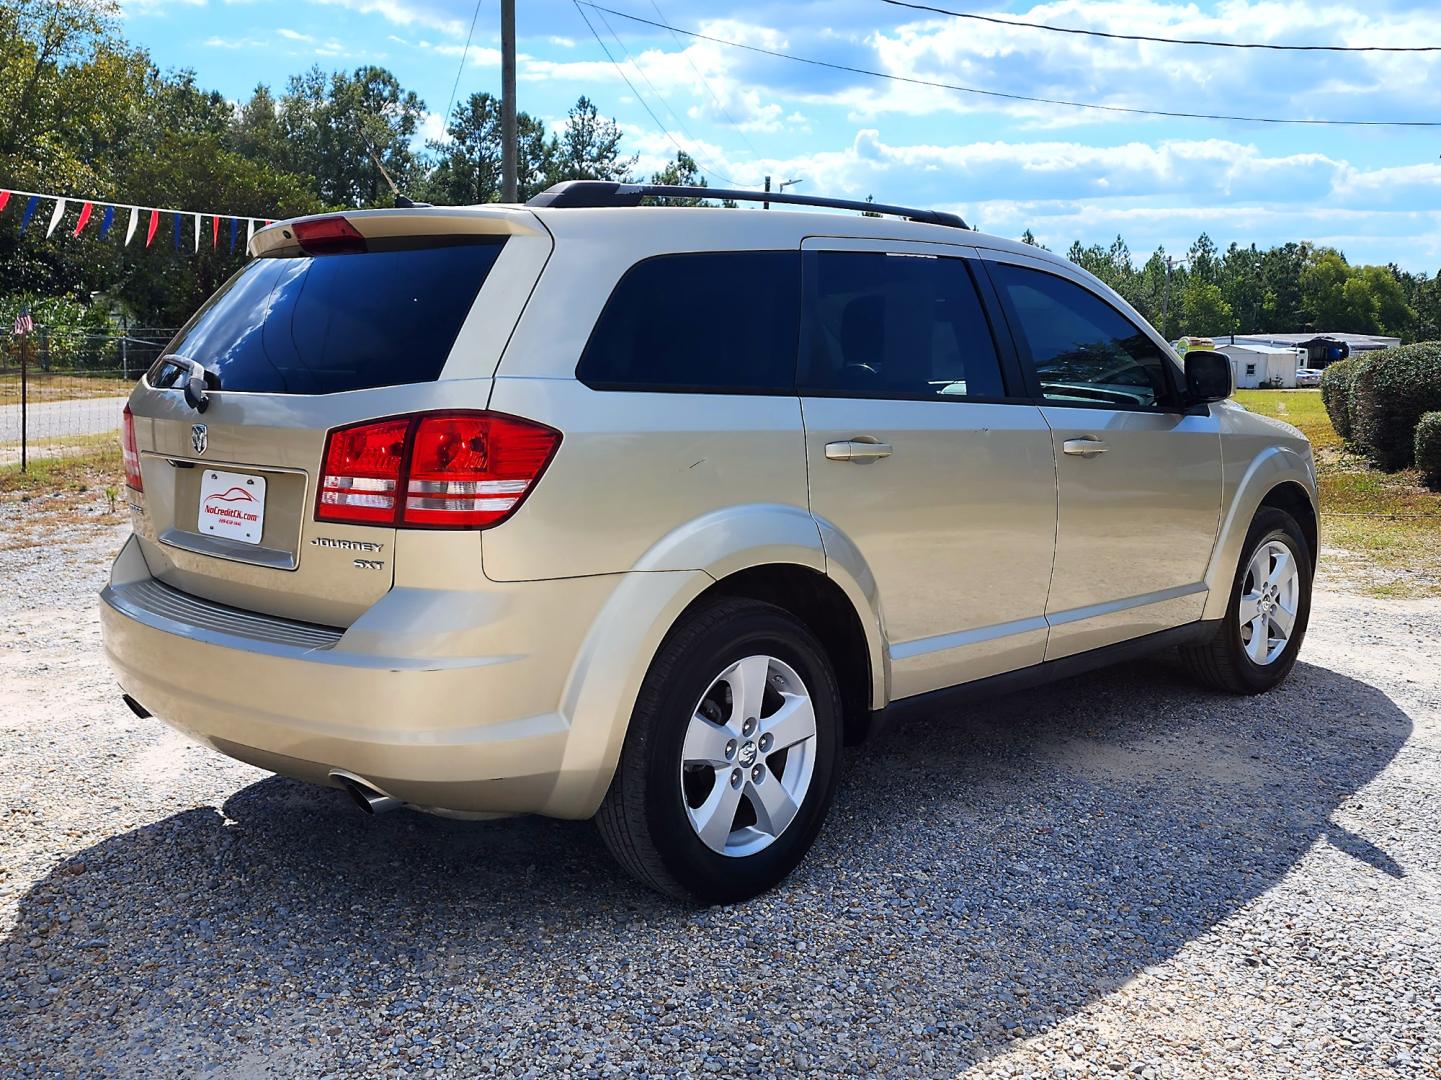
(1247, 655)
(717, 799)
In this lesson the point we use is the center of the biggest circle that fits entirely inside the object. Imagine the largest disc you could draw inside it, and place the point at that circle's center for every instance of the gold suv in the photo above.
(586, 508)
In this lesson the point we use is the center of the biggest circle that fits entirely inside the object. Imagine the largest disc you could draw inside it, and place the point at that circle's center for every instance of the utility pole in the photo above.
(767, 205)
(509, 186)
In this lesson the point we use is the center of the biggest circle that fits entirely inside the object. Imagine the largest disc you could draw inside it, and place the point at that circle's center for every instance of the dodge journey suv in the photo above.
(593, 509)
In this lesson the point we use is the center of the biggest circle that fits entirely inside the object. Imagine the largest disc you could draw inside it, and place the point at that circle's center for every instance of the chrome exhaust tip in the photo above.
(365, 795)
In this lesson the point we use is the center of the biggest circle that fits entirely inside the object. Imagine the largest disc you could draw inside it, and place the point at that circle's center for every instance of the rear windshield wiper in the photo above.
(197, 381)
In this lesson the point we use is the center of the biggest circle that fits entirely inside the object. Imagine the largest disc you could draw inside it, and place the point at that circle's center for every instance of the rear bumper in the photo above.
(449, 700)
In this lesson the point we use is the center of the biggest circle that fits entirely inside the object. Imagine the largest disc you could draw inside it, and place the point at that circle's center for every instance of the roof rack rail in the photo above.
(572, 193)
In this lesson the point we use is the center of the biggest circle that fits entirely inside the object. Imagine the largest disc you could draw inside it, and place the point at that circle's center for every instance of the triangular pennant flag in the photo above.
(134, 221)
(249, 232)
(29, 213)
(214, 232)
(234, 226)
(4, 198)
(107, 221)
(175, 233)
(154, 224)
(56, 215)
(85, 212)
(197, 233)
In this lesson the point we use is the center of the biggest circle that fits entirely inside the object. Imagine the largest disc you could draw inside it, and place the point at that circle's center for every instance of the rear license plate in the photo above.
(232, 505)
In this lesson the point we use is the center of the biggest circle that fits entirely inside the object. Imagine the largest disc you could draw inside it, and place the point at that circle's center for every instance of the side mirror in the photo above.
(1208, 376)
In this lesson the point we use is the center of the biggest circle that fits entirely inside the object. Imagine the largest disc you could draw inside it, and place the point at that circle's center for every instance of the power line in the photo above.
(445, 130)
(638, 96)
(709, 89)
(641, 72)
(911, 80)
(1166, 40)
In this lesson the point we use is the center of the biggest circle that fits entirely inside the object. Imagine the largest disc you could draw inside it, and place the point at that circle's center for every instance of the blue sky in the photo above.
(1065, 173)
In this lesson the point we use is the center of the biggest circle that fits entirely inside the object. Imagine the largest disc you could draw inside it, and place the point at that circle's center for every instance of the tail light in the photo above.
(450, 470)
(129, 452)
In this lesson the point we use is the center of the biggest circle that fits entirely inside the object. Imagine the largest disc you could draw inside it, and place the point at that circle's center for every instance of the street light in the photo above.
(783, 185)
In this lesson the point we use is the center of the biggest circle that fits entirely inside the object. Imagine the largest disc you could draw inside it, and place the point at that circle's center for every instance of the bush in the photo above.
(1336, 395)
(1390, 390)
(1428, 449)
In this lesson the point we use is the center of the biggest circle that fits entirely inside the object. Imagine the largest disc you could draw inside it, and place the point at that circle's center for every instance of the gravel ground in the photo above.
(1121, 874)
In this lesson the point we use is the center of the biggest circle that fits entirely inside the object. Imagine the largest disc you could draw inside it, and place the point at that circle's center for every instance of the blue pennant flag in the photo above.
(107, 221)
(177, 232)
(234, 226)
(29, 213)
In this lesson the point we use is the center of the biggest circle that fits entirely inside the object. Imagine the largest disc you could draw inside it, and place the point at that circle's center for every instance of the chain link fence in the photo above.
(62, 392)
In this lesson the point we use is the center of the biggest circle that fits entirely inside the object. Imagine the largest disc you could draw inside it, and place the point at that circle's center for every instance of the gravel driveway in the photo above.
(1118, 874)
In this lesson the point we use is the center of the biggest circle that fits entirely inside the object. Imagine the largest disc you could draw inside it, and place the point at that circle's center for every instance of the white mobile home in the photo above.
(1263, 365)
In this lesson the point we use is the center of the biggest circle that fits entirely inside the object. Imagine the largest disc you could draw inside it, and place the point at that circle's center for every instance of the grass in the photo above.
(81, 490)
(1387, 526)
(42, 388)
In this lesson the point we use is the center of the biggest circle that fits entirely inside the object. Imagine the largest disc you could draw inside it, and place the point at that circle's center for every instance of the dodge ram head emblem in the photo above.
(199, 437)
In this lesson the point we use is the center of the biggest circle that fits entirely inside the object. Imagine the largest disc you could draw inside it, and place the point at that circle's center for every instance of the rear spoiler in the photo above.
(279, 238)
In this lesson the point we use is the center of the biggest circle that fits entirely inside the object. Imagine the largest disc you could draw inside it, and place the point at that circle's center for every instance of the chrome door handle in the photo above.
(1086, 446)
(857, 450)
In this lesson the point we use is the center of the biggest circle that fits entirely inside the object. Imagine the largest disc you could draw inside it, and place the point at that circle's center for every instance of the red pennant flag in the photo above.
(154, 224)
(214, 232)
(4, 198)
(84, 218)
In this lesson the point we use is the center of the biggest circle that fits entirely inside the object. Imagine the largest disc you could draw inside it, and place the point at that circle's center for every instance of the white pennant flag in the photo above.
(197, 234)
(134, 221)
(249, 232)
(56, 216)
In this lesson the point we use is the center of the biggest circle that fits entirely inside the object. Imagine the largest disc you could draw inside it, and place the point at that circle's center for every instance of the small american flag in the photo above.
(23, 323)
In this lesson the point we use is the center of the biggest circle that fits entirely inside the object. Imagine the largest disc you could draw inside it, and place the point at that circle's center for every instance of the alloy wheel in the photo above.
(1270, 598)
(749, 756)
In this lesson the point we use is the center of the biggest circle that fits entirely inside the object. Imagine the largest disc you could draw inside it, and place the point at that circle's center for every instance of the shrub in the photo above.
(1336, 395)
(1428, 449)
(1389, 391)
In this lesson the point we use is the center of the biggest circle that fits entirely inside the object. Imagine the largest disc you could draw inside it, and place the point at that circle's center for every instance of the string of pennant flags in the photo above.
(137, 219)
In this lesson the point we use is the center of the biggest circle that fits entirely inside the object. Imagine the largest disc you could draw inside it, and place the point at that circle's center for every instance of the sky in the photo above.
(1004, 165)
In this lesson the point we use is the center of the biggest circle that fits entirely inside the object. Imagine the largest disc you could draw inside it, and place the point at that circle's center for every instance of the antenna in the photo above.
(400, 200)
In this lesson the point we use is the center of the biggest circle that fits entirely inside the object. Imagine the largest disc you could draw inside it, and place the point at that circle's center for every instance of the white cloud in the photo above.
(293, 35)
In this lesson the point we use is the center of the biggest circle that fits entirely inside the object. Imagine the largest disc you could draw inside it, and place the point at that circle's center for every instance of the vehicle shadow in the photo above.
(983, 876)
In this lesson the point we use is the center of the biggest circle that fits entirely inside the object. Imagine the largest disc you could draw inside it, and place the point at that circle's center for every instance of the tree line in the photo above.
(86, 113)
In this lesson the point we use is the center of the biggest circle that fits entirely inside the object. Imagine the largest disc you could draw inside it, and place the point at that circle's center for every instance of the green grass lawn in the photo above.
(1387, 524)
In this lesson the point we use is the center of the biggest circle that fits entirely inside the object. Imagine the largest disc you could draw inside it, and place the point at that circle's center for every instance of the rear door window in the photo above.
(896, 326)
(326, 323)
(718, 322)
(1083, 351)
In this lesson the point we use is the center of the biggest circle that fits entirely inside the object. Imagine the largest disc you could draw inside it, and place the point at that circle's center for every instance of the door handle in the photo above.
(1086, 446)
(859, 450)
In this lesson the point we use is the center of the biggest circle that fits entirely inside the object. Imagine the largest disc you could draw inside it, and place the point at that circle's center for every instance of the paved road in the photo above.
(51, 420)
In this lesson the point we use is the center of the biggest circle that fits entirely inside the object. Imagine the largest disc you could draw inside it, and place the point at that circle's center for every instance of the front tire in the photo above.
(1255, 646)
(730, 762)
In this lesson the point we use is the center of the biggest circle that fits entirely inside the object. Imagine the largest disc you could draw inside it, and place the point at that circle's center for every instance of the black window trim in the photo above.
(1027, 364)
(1006, 358)
(625, 386)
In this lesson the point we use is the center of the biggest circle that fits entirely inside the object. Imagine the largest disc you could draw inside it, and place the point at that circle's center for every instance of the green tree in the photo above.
(590, 145)
(468, 165)
(334, 124)
(1204, 311)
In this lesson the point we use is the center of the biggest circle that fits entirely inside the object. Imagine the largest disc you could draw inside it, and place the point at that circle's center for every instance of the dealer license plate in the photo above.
(232, 505)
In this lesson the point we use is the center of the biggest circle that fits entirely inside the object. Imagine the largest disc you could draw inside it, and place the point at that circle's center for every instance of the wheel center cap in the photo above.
(747, 755)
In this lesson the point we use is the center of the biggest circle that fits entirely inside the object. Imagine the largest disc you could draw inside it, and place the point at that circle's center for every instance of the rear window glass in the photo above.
(323, 324)
(706, 322)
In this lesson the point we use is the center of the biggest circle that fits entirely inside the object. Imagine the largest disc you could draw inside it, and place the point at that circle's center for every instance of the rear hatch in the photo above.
(338, 321)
